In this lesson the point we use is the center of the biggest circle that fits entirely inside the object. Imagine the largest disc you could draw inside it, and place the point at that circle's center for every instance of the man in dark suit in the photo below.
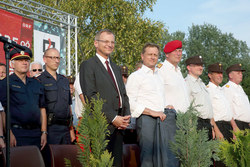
(100, 75)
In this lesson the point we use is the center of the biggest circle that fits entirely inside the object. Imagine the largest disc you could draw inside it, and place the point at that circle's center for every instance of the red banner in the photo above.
(16, 28)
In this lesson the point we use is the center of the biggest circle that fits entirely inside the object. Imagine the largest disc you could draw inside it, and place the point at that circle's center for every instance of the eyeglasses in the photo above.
(54, 57)
(40, 70)
(107, 42)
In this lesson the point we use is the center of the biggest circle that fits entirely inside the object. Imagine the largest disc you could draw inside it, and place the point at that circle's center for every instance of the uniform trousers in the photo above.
(242, 125)
(226, 129)
(205, 123)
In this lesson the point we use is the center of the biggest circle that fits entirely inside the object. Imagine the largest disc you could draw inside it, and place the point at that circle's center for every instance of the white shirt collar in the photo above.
(102, 59)
(171, 66)
(234, 84)
(193, 78)
(147, 70)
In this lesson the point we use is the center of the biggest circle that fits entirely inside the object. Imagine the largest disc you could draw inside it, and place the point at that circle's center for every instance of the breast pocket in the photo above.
(50, 93)
(65, 93)
(36, 94)
(18, 95)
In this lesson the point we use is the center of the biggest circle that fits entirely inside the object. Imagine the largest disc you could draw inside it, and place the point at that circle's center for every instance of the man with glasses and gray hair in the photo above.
(100, 75)
(35, 69)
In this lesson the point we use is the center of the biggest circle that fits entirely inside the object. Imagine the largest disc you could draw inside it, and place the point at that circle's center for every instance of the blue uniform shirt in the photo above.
(25, 100)
(57, 94)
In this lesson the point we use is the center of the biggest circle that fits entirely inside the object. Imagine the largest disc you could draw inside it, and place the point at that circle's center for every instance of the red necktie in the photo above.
(112, 77)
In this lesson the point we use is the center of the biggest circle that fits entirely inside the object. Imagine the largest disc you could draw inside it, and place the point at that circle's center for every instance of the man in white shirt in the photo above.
(176, 92)
(223, 114)
(237, 97)
(79, 99)
(146, 94)
(199, 94)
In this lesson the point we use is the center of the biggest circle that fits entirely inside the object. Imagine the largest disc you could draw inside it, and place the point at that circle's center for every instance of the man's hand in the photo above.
(43, 140)
(161, 115)
(121, 122)
(218, 134)
(170, 107)
(72, 135)
(12, 139)
(2, 144)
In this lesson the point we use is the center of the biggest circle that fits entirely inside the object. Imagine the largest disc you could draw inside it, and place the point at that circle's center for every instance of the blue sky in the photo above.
(230, 16)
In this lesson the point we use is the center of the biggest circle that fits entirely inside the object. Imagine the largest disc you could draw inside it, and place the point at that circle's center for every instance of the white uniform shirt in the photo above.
(238, 100)
(145, 89)
(199, 93)
(221, 106)
(78, 103)
(176, 91)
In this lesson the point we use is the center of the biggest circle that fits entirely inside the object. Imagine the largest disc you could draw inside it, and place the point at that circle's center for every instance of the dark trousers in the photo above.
(115, 147)
(242, 125)
(226, 129)
(58, 134)
(205, 124)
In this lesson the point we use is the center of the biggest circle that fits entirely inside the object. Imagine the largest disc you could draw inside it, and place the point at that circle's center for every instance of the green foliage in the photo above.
(67, 162)
(236, 154)
(192, 146)
(93, 130)
(123, 17)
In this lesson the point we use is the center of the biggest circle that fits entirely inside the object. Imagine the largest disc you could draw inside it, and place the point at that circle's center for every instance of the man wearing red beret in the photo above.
(176, 91)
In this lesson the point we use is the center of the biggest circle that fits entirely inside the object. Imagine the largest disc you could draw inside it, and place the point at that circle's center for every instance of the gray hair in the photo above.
(35, 62)
(98, 34)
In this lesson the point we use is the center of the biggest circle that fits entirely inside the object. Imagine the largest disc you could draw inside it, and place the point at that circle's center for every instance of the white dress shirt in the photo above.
(238, 100)
(221, 106)
(78, 103)
(145, 89)
(199, 93)
(176, 91)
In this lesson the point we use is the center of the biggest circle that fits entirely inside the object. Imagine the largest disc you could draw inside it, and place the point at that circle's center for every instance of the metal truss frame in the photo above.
(52, 16)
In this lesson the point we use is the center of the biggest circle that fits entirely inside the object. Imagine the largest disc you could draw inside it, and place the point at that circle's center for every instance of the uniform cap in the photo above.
(124, 70)
(235, 67)
(16, 54)
(217, 67)
(71, 79)
(172, 45)
(194, 60)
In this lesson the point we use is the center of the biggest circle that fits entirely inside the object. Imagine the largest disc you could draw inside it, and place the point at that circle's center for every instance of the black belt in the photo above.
(204, 120)
(65, 122)
(223, 122)
(29, 127)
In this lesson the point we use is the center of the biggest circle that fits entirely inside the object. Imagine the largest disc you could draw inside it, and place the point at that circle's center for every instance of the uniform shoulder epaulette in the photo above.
(36, 78)
(159, 65)
(63, 75)
(227, 86)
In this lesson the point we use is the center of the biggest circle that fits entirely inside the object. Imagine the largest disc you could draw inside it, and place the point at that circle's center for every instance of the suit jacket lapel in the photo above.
(103, 69)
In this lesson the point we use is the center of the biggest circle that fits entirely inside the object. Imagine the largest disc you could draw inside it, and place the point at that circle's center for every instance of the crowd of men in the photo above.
(43, 105)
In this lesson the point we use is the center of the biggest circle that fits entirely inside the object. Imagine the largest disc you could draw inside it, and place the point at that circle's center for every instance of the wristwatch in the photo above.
(44, 132)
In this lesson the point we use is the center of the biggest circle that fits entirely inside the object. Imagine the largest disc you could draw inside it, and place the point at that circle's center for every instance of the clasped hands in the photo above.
(121, 122)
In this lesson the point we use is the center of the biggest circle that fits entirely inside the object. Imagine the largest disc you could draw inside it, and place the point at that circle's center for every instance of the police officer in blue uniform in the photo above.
(58, 100)
(27, 103)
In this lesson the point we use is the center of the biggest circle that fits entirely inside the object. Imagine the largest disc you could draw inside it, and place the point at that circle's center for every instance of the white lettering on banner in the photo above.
(15, 39)
(26, 25)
